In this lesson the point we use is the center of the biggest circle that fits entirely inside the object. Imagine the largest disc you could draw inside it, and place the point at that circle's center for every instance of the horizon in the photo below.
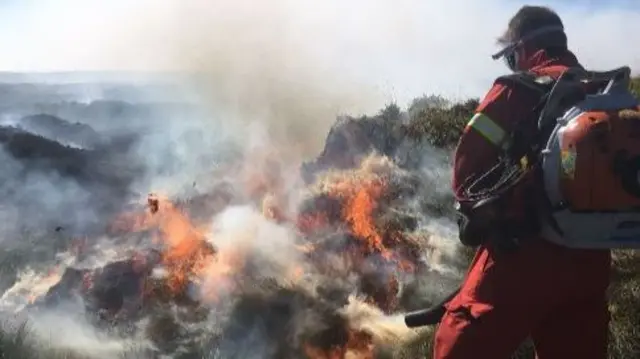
(393, 50)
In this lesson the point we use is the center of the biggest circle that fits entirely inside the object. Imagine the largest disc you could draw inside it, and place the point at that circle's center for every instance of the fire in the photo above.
(352, 205)
(217, 275)
(186, 253)
(369, 240)
(361, 198)
(52, 277)
(358, 345)
(358, 212)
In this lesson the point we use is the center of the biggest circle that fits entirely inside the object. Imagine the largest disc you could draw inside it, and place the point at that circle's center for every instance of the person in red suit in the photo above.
(554, 295)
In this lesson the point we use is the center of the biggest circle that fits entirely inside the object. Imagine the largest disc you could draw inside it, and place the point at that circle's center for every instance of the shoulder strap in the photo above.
(556, 95)
(540, 84)
(573, 85)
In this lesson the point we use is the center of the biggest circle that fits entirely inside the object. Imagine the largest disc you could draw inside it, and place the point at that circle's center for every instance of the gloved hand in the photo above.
(469, 232)
(475, 224)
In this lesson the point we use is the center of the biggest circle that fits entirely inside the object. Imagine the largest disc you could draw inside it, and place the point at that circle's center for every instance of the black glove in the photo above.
(469, 232)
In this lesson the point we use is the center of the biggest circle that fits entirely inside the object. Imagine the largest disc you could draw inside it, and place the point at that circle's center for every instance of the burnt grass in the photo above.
(430, 120)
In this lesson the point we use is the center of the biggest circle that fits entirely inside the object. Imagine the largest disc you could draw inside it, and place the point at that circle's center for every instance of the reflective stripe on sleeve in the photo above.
(487, 128)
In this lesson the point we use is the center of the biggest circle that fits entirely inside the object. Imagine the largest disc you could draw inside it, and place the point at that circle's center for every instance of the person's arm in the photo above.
(478, 146)
(485, 133)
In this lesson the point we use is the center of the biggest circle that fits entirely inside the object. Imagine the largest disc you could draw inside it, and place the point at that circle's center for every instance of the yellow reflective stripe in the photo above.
(487, 128)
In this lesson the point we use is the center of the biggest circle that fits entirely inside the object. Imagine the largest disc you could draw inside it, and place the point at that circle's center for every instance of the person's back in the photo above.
(555, 295)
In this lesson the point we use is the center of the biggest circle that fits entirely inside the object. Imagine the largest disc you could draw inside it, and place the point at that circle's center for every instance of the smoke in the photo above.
(244, 237)
(401, 48)
(288, 67)
(386, 329)
(263, 75)
(257, 73)
(39, 196)
(73, 333)
(265, 82)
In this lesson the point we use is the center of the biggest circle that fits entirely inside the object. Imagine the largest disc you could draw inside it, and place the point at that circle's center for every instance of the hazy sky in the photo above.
(403, 48)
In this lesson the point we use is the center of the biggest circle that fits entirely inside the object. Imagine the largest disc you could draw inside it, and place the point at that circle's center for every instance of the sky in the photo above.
(388, 49)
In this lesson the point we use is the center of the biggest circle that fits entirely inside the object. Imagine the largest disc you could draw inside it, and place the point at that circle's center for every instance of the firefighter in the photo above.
(554, 295)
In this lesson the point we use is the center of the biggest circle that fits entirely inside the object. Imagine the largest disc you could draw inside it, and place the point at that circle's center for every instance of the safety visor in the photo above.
(510, 48)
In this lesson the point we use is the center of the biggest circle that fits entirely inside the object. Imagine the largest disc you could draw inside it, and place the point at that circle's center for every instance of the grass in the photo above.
(625, 306)
(16, 343)
(441, 123)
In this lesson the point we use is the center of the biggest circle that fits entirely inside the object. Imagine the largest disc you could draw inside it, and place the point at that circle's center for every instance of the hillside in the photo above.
(375, 221)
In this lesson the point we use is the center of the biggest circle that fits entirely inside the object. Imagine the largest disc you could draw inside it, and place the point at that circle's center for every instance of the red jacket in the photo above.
(540, 289)
(496, 114)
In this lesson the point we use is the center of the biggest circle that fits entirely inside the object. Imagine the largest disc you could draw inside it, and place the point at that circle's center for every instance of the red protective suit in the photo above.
(555, 295)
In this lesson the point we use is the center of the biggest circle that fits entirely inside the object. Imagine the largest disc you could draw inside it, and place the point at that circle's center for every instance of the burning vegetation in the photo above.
(263, 266)
(345, 247)
(275, 267)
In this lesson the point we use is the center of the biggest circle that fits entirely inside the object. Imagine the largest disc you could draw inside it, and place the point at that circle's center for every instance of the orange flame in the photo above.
(358, 212)
(361, 197)
(186, 250)
(188, 256)
(358, 345)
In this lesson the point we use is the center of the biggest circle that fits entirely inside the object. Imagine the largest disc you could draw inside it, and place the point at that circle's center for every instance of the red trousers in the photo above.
(556, 296)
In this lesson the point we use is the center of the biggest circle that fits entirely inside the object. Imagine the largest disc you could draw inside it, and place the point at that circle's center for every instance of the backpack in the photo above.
(578, 165)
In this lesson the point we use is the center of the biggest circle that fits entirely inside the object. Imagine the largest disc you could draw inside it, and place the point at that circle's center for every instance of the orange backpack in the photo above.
(585, 157)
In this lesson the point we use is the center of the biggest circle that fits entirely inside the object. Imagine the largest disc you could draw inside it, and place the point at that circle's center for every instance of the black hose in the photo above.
(429, 316)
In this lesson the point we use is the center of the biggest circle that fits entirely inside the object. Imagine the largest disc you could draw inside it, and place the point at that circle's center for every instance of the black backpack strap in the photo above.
(539, 86)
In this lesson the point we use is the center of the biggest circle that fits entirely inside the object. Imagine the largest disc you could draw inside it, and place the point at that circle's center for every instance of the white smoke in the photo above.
(262, 75)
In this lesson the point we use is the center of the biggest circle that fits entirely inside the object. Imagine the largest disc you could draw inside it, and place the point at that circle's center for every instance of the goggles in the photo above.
(509, 52)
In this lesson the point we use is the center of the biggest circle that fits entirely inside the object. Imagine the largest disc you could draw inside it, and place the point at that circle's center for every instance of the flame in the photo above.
(361, 198)
(358, 212)
(52, 277)
(186, 253)
(188, 256)
(217, 275)
(187, 250)
(360, 195)
(358, 345)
